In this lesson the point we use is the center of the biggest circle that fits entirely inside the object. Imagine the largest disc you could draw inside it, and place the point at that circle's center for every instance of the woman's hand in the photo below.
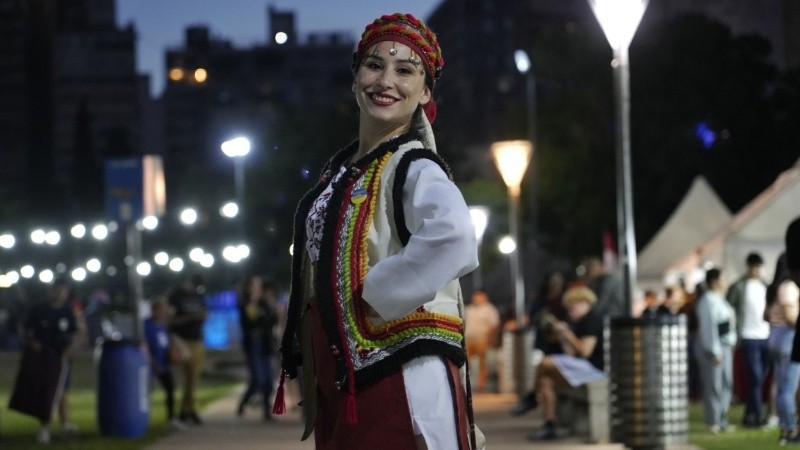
(561, 328)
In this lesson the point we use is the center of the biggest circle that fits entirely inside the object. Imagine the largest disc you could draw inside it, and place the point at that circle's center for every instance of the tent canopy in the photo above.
(697, 218)
(758, 227)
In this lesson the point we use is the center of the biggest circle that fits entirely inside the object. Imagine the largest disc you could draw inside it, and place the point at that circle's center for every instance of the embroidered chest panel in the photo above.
(365, 343)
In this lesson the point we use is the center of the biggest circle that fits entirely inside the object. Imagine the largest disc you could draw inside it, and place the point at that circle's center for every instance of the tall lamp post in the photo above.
(512, 158)
(480, 218)
(237, 149)
(619, 20)
(525, 67)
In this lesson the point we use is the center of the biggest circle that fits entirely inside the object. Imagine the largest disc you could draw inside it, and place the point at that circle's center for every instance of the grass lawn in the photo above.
(741, 439)
(18, 431)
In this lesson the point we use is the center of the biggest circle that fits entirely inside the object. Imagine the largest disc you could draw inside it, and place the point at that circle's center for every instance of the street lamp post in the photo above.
(619, 20)
(512, 158)
(237, 149)
(525, 67)
(480, 218)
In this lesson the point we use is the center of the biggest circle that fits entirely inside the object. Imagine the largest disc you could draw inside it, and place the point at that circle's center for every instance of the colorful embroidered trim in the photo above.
(367, 344)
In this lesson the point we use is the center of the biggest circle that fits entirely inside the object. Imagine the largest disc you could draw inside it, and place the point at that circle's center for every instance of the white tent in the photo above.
(759, 227)
(697, 218)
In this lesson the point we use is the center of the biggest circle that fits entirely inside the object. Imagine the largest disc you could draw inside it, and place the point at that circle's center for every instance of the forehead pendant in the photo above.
(392, 51)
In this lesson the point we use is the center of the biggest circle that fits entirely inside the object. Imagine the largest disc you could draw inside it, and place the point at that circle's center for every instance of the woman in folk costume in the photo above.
(375, 313)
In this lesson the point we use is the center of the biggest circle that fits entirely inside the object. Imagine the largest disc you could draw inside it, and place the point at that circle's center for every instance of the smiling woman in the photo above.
(375, 311)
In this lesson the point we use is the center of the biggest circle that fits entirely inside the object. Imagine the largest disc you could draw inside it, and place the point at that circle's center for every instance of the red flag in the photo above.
(610, 260)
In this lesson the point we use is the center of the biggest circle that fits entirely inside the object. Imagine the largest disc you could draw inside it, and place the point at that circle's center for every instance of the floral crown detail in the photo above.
(406, 29)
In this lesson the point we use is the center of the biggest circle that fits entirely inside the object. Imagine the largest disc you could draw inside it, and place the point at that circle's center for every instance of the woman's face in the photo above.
(390, 84)
(255, 287)
(555, 283)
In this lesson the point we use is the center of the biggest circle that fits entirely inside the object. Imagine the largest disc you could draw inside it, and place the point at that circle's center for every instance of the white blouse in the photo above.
(316, 218)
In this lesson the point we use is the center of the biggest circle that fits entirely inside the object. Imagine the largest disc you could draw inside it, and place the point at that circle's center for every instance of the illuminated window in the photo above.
(176, 74)
(200, 75)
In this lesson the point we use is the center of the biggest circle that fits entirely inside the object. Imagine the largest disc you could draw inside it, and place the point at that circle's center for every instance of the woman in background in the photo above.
(158, 345)
(783, 304)
(257, 318)
(717, 336)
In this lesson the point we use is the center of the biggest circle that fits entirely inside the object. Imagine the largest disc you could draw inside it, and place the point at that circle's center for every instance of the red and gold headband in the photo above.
(408, 30)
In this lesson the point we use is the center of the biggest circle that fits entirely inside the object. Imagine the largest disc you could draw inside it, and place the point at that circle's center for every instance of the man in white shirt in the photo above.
(748, 297)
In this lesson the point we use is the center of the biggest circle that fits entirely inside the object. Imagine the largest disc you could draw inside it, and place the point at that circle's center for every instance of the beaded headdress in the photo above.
(408, 30)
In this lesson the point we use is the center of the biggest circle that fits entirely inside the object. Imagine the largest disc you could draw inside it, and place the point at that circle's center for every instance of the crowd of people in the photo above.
(172, 339)
(750, 319)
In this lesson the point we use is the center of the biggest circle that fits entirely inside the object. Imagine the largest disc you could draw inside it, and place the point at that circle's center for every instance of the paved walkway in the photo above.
(222, 430)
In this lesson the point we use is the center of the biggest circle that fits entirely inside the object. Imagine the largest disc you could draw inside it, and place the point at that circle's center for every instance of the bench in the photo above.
(584, 410)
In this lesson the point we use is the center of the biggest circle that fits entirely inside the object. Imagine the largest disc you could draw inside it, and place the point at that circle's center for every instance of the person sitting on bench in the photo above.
(582, 361)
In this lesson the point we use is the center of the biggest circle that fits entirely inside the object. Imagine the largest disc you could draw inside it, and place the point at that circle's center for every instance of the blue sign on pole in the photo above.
(124, 189)
(134, 188)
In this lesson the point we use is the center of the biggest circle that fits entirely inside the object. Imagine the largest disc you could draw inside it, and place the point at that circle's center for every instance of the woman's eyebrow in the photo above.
(411, 60)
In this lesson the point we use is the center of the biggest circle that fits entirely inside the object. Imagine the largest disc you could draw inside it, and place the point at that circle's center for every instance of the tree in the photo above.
(574, 150)
(703, 102)
(299, 145)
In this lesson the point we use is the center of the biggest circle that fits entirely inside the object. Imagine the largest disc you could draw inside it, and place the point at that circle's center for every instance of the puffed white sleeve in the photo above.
(442, 246)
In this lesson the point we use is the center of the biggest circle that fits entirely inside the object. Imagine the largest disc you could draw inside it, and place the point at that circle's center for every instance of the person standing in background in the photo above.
(748, 297)
(190, 314)
(793, 264)
(783, 305)
(482, 323)
(155, 330)
(606, 286)
(43, 377)
(258, 317)
(717, 336)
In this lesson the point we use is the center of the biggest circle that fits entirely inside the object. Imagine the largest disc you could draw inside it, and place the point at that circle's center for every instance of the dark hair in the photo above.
(197, 279)
(712, 275)
(781, 275)
(793, 245)
(754, 259)
(244, 293)
(540, 301)
(269, 285)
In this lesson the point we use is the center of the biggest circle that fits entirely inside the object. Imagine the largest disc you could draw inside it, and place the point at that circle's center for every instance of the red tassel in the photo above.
(430, 110)
(352, 412)
(279, 407)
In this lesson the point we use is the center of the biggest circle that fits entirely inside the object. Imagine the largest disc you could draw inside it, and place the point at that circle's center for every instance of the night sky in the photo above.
(161, 23)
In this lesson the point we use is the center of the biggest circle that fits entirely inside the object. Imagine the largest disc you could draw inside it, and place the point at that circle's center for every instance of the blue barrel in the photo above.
(123, 401)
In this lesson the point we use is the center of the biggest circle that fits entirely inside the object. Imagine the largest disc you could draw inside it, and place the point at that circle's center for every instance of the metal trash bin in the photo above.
(517, 365)
(647, 364)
